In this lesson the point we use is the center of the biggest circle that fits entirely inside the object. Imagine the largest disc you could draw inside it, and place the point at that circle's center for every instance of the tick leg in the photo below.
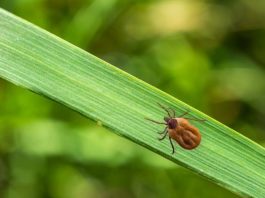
(164, 136)
(185, 113)
(195, 119)
(173, 149)
(163, 131)
(157, 122)
(168, 113)
(174, 112)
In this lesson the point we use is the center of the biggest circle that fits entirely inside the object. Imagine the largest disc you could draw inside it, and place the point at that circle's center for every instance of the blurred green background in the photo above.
(208, 53)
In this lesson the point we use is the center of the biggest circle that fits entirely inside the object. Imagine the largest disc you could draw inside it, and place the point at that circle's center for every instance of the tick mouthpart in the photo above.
(166, 119)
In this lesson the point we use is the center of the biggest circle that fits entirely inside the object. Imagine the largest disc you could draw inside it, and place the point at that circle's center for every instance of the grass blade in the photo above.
(37, 60)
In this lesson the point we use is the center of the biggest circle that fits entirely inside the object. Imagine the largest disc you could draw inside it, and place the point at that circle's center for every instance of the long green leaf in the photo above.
(37, 60)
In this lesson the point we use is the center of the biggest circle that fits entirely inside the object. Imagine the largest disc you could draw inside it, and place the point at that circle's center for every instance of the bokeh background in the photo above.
(208, 53)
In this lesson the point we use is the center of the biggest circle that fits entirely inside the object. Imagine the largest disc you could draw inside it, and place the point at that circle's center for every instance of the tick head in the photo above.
(171, 122)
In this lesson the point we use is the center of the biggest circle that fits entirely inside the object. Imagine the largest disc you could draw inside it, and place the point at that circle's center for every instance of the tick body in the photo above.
(180, 130)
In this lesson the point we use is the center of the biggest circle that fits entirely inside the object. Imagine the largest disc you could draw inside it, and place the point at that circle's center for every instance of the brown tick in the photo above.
(180, 130)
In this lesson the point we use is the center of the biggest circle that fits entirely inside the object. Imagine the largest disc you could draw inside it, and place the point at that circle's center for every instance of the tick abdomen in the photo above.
(185, 134)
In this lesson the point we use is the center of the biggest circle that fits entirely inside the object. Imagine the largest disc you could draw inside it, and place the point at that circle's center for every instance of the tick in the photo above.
(179, 129)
